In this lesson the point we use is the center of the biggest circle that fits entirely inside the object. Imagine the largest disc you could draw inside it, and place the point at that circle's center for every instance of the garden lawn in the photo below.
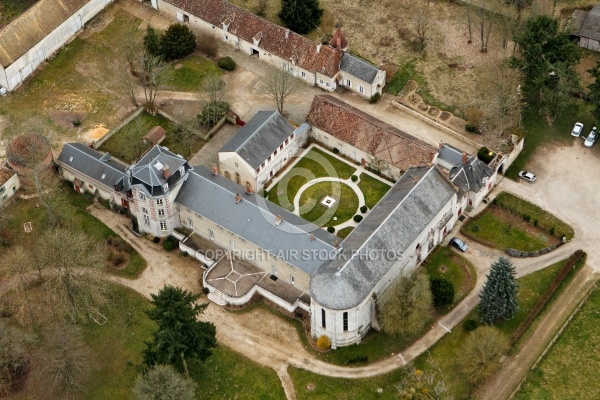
(373, 189)
(342, 233)
(343, 209)
(570, 368)
(315, 164)
(337, 388)
(500, 233)
(531, 288)
(448, 264)
(520, 207)
(72, 206)
(189, 73)
(12, 9)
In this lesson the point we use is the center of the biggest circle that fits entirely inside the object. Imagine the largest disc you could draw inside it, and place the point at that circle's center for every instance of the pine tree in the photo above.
(180, 335)
(301, 15)
(177, 42)
(499, 294)
(152, 41)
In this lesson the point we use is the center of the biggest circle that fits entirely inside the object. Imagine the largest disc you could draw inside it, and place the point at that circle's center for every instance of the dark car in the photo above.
(459, 244)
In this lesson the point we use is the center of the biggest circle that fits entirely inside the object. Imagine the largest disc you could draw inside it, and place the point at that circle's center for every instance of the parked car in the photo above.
(528, 176)
(577, 129)
(459, 244)
(591, 139)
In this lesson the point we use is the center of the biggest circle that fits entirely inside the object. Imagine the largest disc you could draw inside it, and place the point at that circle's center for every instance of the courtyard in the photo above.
(328, 190)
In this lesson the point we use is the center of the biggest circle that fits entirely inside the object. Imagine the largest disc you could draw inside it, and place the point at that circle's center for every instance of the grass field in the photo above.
(501, 233)
(312, 210)
(12, 9)
(570, 369)
(189, 73)
(531, 289)
(373, 189)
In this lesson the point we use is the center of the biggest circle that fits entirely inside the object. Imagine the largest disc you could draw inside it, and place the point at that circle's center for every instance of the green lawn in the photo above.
(12, 9)
(72, 206)
(345, 207)
(189, 74)
(336, 388)
(448, 264)
(500, 233)
(373, 189)
(342, 233)
(532, 288)
(570, 369)
(520, 207)
(538, 133)
(315, 164)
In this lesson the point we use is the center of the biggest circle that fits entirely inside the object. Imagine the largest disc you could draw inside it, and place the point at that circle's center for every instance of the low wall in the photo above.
(536, 253)
(127, 120)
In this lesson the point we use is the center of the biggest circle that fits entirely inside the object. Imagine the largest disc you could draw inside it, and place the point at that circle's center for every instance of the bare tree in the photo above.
(154, 74)
(216, 107)
(278, 85)
(163, 382)
(424, 384)
(485, 23)
(469, 9)
(421, 21)
(17, 266)
(184, 134)
(64, 361)
(480, 354)
(409, 307)
(503, 103)
(14, 357)
(72, 272)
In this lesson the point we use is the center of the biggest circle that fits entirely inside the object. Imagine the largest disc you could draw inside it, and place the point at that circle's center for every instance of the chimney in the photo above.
(319, 48)
(215, 170)
(311, 237)
(238, 198)
(338, 43)
(278, 219)
(166, 172)
(336, 244)
(249, 188)
(440, 145)
(465, 158)
(287, 33)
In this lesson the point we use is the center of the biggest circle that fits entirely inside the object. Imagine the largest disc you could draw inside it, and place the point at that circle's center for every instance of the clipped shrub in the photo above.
(442, 291)
(323, 342)
(470, 325)
(357, 218)
(226, 63)
(354, 178)
(330, 229)
(205, 290)
(471, 128)
(475, 228)
(358, 359)
(535, 222)
(485, 155)
(527, 218)
(170, 243)
(552, 231)
(335, 150)
(375, 98)
(364, 209)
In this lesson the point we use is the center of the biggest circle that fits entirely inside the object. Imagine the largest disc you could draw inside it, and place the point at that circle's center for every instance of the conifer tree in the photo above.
(301, 15)
(499, 294)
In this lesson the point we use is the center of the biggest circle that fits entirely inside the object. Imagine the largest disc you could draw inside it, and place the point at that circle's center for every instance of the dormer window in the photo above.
(182, 170)
(71, 159)
(103, 176)
(165, 187)
(142, 196)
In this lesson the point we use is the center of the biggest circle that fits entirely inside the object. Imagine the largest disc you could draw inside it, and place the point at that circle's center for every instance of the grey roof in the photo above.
(262, 135)
(358, 68)
(590, 28)
(451, 155)
(147, 174)
(253, 219)
(98, 166)
(475, 173)
(393, 225)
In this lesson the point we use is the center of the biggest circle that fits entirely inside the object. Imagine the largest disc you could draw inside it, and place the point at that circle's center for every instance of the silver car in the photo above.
(459, 244)
(577, 129)
(591, 139)
(527, 176)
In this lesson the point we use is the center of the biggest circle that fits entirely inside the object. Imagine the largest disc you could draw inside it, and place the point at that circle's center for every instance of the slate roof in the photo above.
(393, 225)
(475, 173)
(358, 68)
(35, 24)
(590, 28)
(246, 25)
(98, 166)
(451, 155)
(147, 174)
(253, 219)
(368, 134)
(262, 135)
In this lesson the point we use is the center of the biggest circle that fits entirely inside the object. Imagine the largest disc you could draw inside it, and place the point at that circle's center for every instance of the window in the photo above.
(275, 153)
(345, 321)
(287, 141)
(144, 211)
(257, 170)
(165, 187)
(2, 189)
(269, 159)
(163, 225)
(321, 81)
(262, 165)
(146, 220)
(292, 136)
(327, 84)
(91, 187)
(361, 89)
(226, 37)
(159, 202)
(142, 196)
(161, 212)
(190, 222)
(348, 83)
(303, 74)
(323, 322)
(213, 27)
(292, 281)
(281, 147)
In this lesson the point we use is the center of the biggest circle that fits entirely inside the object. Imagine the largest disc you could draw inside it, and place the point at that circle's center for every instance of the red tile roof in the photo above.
(368, 134)
(155, 134)
(246, 25)
(5, 174)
